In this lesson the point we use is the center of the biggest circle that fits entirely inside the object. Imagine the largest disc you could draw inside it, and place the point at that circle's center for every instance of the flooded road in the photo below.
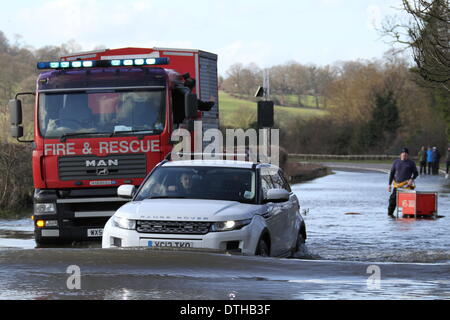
(349, 256)
(370, 235)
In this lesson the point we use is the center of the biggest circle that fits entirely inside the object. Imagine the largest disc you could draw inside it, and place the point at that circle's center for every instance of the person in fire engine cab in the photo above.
(402, 175)
(141, 111)
(76, 113)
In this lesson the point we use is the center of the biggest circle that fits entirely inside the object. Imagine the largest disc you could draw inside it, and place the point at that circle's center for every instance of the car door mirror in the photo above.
(277, 195)
(126, 191)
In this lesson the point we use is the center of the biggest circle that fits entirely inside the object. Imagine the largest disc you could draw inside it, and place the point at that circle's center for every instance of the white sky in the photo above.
(261, 31)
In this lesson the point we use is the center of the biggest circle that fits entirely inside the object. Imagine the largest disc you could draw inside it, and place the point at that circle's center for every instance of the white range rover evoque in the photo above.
(224, 205)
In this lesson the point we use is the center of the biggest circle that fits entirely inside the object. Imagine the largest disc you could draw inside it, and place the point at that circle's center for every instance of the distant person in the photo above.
(436, 155)
(429, 160)
(447, 162)
(422, 156)
(403, 173)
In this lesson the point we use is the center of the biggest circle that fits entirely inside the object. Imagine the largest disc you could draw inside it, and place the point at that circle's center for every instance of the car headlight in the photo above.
(229, 225)
(124, 223)
(44, 208)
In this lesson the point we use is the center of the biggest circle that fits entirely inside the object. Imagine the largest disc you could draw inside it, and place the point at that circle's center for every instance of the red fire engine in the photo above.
(103, 119)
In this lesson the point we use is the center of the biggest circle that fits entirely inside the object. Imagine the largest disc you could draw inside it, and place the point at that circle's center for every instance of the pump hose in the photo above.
(404, 185)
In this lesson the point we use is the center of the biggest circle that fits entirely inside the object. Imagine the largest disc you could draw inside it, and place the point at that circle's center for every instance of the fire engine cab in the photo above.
(104, 119)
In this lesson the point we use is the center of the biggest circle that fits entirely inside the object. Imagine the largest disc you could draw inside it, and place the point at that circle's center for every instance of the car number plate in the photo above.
(170, 244)
(95, 232)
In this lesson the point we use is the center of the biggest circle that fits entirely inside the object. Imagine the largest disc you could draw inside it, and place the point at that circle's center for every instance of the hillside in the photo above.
(239, 113)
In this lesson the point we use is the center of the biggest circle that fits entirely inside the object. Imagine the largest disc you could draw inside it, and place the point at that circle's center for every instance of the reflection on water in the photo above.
(17, 234)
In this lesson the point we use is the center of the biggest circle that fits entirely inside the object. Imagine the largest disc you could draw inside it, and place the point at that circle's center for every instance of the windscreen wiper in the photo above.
(151, 131)
(75, 134)
(110, 134)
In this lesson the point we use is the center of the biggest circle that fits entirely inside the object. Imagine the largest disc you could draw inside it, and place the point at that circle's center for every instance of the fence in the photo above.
(381, 157)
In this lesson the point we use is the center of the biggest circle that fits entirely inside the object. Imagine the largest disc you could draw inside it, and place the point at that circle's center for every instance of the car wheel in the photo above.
(262, 249)
(299, 249)
(300, 241)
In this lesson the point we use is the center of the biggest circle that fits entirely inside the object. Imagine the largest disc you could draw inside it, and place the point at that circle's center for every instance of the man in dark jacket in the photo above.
(422, 156)
(436, 160)
(403, 173)
(447, 162)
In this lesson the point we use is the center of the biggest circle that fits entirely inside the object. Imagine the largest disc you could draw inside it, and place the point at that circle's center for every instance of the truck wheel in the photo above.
(262, 249)
(46, 243)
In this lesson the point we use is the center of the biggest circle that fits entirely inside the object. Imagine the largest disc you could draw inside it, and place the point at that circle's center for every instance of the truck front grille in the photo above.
(174, 227)
(123, 166)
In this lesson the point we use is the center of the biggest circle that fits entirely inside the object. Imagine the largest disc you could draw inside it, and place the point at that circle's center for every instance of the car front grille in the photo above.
(174, 227)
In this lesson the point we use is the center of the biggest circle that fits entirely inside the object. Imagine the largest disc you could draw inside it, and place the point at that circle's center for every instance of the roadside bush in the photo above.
(16, 181)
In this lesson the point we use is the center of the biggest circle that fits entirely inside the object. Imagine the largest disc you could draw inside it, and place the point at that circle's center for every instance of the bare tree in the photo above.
(280, 85)
(242, 80)
(427, 33)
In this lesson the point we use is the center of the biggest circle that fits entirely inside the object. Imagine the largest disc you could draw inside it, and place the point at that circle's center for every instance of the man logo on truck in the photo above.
(102, 163)
(102, 172)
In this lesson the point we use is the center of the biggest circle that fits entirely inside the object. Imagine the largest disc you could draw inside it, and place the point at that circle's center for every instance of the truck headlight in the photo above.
(229, 225)
(44, 208)
(124, 223)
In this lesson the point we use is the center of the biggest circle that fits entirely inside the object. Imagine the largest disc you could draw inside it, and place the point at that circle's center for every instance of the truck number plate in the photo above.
(95, 232)
(170, 244)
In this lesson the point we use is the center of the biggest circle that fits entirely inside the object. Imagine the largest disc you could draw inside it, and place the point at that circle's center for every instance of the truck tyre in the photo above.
(51, 242)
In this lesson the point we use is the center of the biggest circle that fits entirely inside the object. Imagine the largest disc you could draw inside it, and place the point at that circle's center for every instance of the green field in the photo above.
(291, 100)
(240, 113)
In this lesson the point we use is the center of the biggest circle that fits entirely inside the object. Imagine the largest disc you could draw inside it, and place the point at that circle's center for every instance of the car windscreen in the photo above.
(214, 183)
(106, 112)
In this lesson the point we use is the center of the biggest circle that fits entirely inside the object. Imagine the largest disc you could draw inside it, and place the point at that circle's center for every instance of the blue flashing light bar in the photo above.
(77, 64)
(88, 64)
(102, 63)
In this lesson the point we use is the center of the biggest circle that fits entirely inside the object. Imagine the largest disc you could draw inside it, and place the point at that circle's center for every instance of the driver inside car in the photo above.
(186, 183)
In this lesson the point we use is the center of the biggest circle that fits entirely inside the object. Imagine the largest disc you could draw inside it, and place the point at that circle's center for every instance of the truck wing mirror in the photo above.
(15, 117)
(190, 105)
(16, 131)
(15, 112)
(205, 105)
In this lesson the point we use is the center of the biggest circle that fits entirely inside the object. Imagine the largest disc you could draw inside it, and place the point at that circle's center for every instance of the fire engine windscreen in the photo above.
(105, 112)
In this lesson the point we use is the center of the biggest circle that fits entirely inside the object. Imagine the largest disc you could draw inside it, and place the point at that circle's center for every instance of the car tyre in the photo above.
(299, 245)
(300, 241)
(262, 249)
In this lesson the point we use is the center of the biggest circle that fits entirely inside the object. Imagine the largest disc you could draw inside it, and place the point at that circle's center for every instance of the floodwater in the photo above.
(366, 255)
